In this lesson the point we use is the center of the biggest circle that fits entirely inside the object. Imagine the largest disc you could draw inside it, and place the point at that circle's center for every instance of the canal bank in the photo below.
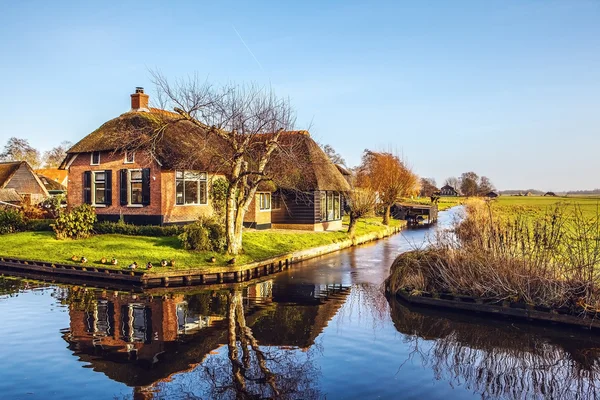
(310, 332)
(106, 277)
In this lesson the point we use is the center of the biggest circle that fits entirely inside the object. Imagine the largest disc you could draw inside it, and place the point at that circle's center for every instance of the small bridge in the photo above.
(415, 214)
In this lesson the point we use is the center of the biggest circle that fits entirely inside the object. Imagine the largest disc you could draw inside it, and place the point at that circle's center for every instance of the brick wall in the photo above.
(162, 189)
(115, 162)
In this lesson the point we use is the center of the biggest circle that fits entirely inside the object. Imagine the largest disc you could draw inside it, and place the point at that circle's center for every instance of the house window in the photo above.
(330, 206)
(99, 191)
(264, 201)
(276, 202)
(95, 159)
(129, 157)
(191, 188)
(135, 186)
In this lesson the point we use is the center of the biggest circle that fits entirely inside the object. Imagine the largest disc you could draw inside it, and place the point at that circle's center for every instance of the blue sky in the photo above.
(508, 89)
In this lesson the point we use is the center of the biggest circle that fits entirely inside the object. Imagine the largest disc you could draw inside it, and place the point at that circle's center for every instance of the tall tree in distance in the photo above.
(333, 155)
(485, 186)
(428, 187)
(388, 176)
(17, 149)
(469, 184)
(54, 156)
(453, 182)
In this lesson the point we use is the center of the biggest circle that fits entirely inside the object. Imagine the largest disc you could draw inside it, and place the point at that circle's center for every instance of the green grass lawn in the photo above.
(258, 245)
(538, 206)
(444, 203)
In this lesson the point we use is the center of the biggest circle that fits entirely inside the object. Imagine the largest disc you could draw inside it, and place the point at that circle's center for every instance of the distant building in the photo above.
(10, 196)
(550, 194)
(19, 176)
(54, 174)
(448, 191)
(492, 195)
(53, 187)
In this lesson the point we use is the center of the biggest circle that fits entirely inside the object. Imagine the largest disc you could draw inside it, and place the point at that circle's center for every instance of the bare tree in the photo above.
(453, 182)
(249, 122)
(54, 156)
(485, 186)
(17, 149)
(333, 155)
(387, 175)
(361, 202)
(428, 187)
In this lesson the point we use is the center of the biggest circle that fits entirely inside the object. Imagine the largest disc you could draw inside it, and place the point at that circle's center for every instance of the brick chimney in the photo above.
(139, 100)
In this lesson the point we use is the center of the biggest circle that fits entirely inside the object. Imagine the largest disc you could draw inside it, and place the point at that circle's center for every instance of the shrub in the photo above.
(11, 220)
(52, 205)
(122, 228)
(205, 234)
(76, 224)
(39, 225)
(32, 211)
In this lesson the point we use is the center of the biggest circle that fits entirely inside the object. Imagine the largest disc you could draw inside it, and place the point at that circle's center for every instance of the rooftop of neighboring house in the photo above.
(55, 174)
(10, 196)
(7, 170)
(50, 184)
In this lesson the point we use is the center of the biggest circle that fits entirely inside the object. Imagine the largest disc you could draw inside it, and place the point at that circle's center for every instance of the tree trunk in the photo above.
(386, 215)
(230, 234)
(352, 226)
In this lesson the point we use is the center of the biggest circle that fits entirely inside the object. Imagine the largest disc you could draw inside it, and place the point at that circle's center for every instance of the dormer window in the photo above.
(129, 157)
(95, 158)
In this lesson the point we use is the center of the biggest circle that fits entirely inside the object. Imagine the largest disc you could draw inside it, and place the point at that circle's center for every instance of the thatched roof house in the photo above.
(550, 194)
(448, 190)
(19, 176)
(151, 166)
(10, 196)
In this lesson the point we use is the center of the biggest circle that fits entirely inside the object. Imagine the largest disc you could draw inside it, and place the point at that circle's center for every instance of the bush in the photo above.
(39, 225)
(121, 228)
(219, 197)
(76, 224)
(52, 205)
(11, 220)
(206, 234)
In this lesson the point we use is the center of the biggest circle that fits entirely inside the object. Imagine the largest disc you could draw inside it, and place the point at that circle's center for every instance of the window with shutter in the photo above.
(87, 187)
(123, 187)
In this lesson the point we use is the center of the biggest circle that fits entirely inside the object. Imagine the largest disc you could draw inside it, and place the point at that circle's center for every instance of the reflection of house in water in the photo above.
(140, 340)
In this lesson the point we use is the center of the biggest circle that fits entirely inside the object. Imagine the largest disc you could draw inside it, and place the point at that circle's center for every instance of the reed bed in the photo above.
(551, 261)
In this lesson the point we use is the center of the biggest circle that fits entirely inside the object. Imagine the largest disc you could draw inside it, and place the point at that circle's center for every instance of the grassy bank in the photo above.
(258, 245)
(539, 255)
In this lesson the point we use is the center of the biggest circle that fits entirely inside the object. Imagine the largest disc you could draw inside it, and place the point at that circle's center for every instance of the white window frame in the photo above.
(261, 196)
(92, 158)
(129, 191)
(94, 173)
(203, 177)
(132, 157)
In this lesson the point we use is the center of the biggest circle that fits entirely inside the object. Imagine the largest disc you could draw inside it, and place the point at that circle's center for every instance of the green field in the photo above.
(538, 206)
(258, 245)
(444, 203)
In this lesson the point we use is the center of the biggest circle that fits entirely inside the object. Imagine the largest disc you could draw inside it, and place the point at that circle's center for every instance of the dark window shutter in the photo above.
(146, 186)
(108, 187)
(123, 187)
(87, 187)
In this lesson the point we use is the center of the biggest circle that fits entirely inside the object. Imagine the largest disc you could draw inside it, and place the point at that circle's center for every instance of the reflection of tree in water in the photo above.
(502, 359)
(252, 371)
(366, 300)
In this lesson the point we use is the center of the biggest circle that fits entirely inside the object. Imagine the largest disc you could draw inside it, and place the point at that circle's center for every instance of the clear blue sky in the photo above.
(508, 89)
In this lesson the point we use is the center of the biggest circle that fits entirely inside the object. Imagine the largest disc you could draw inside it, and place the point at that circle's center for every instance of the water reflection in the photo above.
(256, 341)
(501, 359)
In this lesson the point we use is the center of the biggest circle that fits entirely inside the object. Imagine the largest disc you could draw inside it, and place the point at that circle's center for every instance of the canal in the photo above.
(322, 330)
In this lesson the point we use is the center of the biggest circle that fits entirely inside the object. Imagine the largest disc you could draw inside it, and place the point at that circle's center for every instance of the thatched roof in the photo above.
(7, 170)
(10, 196)
(303, 165)
(298, 164)
(50, 184)
(168, 136)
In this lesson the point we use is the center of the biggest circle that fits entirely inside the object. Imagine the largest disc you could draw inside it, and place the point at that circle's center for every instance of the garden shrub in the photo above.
(206, 234)
(52, 206)
(11, 220)
(39, 225)
(219, 198)
(122, 228)
(76, 224)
